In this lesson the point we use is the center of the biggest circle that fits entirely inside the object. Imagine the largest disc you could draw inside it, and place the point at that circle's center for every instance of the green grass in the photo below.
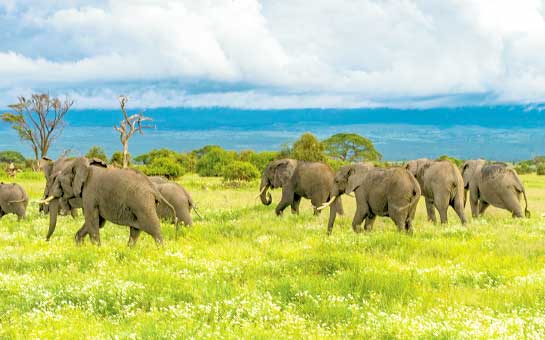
(242, 272)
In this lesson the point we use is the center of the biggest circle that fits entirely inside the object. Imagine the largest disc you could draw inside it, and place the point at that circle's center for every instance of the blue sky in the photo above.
(275, 54)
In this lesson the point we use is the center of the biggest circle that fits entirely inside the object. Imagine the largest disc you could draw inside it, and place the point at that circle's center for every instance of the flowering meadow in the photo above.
(242, 272)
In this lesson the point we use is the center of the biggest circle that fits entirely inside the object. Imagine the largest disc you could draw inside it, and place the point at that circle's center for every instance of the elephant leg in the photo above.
(482, 206)
(458, 205)
(399, 218)
(474, 202)
(430, 209)
(91, 226)
(149, 222)
(369, 221)
(287, 199)
(442, 206)
(80, 234)
(409, 225)
(362, 212)
(295, 204)
(133, 237)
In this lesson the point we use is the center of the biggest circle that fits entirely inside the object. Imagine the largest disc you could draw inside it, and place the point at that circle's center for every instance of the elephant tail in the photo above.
(167, 203)
(520, 188)
(193, 206)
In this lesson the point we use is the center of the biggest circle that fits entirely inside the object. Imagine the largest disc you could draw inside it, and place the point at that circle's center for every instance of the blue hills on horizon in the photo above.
(506, 133)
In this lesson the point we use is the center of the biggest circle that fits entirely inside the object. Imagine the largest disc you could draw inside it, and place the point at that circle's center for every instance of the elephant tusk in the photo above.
(264, 188)
(46, 201)
(350, 195)
(327, 204)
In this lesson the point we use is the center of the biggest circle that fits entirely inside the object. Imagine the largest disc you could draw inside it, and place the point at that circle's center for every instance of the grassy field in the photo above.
(242, 272)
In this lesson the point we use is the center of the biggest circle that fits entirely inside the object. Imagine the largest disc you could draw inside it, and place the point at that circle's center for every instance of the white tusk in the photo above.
(264, 188)
(327, 204)
(350, 195)
(47, 200)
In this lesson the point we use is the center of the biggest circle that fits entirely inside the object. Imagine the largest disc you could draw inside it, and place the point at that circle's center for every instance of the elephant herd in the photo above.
(128, 197)
(394, 192)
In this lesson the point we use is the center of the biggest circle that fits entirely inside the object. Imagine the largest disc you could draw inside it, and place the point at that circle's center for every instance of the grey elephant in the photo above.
(392, 192)
(122, 196)
(442, 186)
(13, 200)
(298, 179)
(493, 184)
(61, 205)
(178, 197)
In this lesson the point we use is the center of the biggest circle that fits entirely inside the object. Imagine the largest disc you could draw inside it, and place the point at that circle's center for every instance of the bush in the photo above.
(164, 166)
(259, 160)
(147, 158)
(240, 171)
(117, 159)
(213, 161)
(523, 168)
(540, 169)
(456, 161)
(98, 152)
(308, 148)
(11, 156)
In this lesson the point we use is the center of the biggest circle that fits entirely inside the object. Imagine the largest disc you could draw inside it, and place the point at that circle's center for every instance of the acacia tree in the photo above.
(38, 120)
(351, 147)
(128, 126)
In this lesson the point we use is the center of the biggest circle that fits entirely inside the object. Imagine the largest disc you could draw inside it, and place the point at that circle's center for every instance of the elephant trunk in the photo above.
(53, 212)
(265, 196)
(333, 210)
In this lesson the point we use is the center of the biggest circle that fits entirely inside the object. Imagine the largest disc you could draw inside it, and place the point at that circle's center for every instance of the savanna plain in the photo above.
(242, 272)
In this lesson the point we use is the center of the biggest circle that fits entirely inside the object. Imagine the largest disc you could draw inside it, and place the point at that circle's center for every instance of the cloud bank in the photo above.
(275, 54)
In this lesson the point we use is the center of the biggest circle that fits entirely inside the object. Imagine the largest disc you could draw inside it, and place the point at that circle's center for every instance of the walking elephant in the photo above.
(392, 192)
(493, 184)
(122, 196)
(60, 205)
(13, 200)
(298, 179)
(442, 186)
(179, 198)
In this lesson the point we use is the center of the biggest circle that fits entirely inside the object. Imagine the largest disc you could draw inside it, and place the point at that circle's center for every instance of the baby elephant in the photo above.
(177, 196)
(495, 184)
(390, 192)
(442, 186)
(13, 200)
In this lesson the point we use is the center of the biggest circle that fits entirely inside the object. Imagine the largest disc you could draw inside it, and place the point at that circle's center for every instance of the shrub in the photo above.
(308, 148)
(98, 152)
(164, 166)
(11, 156)
(240, 171)
(117, 158)
(523, 168)
(540, 169)
(213, 161)
(259, 160)
(147, 158)
(456, 161)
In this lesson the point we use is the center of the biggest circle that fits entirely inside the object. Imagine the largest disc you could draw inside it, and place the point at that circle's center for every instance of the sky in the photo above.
(275, 54)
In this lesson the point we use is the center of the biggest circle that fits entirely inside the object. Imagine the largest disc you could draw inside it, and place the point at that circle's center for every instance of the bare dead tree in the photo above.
(38, 120)
(128, 126)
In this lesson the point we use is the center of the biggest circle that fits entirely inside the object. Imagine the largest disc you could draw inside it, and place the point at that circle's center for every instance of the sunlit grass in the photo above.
(242, 272)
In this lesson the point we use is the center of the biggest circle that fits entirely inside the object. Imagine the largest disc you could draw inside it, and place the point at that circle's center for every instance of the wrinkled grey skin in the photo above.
(493, 184)
(158, 179)
(13, 200)
(392, 192)
(298, 179)
(179, 198)
(121, 196)
(59, 206)
(340, 183)
(442, 186)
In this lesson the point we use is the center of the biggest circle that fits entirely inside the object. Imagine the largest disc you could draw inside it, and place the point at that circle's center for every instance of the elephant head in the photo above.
(276, 175)
(418, 167)
(469, 169)
(348, 178)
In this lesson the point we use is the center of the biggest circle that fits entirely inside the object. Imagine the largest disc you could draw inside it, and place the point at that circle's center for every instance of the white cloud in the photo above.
(283, 53)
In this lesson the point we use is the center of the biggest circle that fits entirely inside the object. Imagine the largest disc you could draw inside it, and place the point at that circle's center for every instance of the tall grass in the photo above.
(242, 272)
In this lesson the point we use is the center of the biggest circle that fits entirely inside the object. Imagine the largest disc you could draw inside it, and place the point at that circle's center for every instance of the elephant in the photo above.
(392, 192)
(158, 179)
(13, 200)
(298, 179)
(61, 205)
(179, 198)
(493, 184)
(122, 196)
(441, 185)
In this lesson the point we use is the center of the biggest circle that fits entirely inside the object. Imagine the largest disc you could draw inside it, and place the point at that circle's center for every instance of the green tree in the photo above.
(308, 148)
(213, 161)
(97, 152)
(117, 159)
(164, 166)
(38, 120)
(11, 156)
(351, 147)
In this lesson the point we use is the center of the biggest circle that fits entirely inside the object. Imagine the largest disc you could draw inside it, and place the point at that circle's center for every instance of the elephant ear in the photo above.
(46, 165)
(98, 162)
(80, 169)
(412, 167)
(354, 181)
(283, 172)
